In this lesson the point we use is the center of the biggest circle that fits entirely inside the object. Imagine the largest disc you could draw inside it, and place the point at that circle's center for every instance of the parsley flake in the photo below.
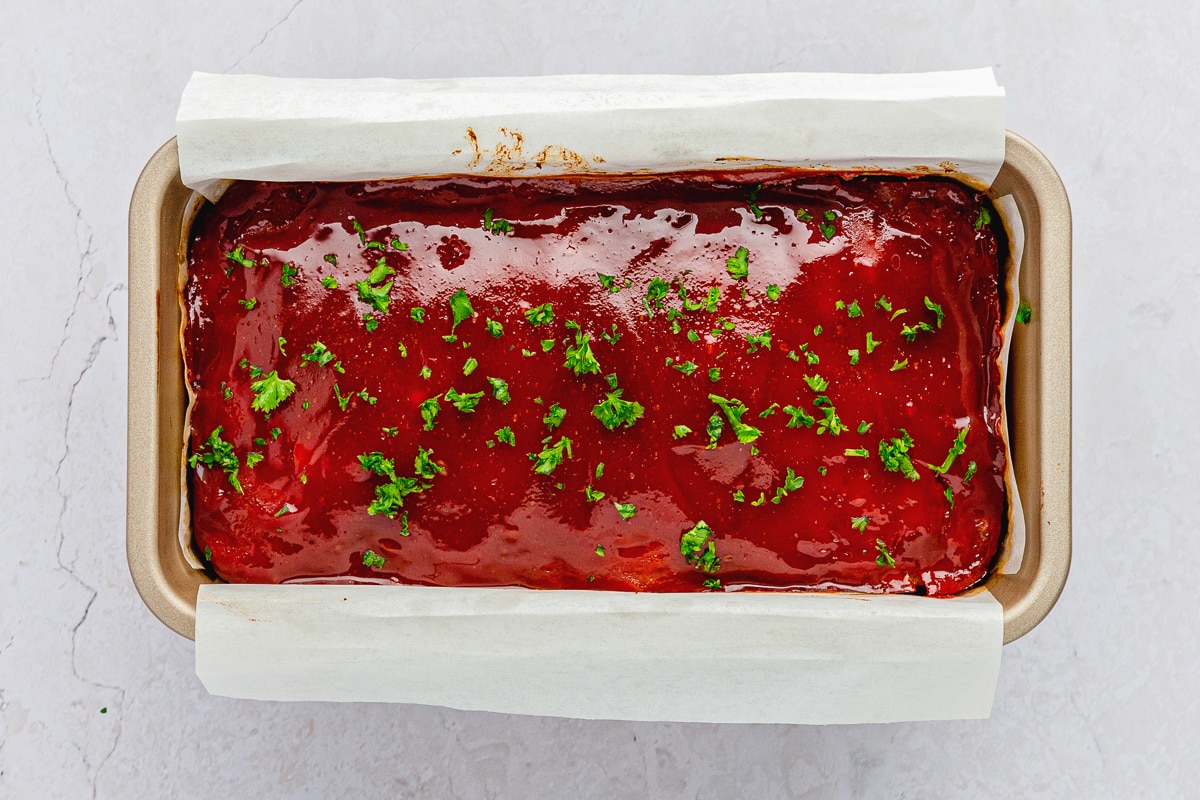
(698, 549)
(885, 558)
(859, 523)
(738, 265)
(614, 411)
(956, 449)
(238, 256)
(1024, 313)
(936, 309)
(734, 409)
(540, 315)
(220, 455)
(894, 455)
(494, 328)
(551, 456)
(465, 403)
(417, 313)
(460, 307)
(507, 436)
(591, 494)
(469, 366)
(681, 431)
(329, 282)
(554, 416)
(626, 510)
(799, 417)
(429, 411)
(270, 391)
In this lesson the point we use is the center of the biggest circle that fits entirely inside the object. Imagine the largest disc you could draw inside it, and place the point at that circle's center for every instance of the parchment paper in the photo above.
(735, 657)
(717, 657)
(249, 126)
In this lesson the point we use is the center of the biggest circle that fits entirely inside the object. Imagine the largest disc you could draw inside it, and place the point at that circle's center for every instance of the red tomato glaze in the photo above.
(864, 269)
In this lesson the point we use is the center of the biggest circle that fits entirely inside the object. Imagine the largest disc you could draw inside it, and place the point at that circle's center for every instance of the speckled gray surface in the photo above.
(1099, 701)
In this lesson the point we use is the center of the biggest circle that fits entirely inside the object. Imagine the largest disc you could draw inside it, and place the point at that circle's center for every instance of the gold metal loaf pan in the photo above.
(1038, 402)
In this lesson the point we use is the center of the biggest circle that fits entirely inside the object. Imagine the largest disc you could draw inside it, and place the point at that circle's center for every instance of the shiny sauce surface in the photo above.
(847, 327)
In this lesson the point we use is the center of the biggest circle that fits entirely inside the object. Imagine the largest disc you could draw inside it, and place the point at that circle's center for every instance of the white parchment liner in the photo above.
(718, 657)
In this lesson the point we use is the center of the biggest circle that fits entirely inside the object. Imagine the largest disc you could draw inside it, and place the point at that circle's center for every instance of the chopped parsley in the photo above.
(956, 449)
(799, 417)
(909, 332)
(860, 452)
(803, 215)
(773, 292)
(885, 558)
(1024, 313)
(610, 282)
(320, 355)
(424, 466)
(816, 383)
(894, 455)
(768, 411)
(591, 494)
(500, 389)
(551, 455)
(713, 429)
(693, 336)
(269, 391)
(372, 559)
(831, 421)
(507, 436)
(854, 355)
(883, 303)
(984, 218)
(554, 416)
(493, 224)
(762, 498)
(287, 278)
(460, 307)
(469, 366)
(853, 310)
(417, 313)
(611, 338)
(579, 355)
(859, 523)
(712, 299)
(613, 411)
(377, 297)
(540, 315)
(714, 374)
(329, 282)
(756, 340)
(936, 309)
(681, 431)
(429, 411)
(898, 365)
(738, 265)
(547, 345)
(220, 455)
(949, 493)
(739, 496)
(391, 431)
(828, 229)
(698, 549)
(626, 510)
(249, 304)
(752, 201)
(734, 409)
(253, 459)
(687, 368)
(370, 323)
(871, 343)
(494, 328)
(792, 482)
(238, 256)
(864, 426)
(465, 403)
(389, 497)
(656, 292)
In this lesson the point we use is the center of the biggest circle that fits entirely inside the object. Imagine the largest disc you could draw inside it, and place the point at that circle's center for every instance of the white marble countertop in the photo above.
(1099, 701)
